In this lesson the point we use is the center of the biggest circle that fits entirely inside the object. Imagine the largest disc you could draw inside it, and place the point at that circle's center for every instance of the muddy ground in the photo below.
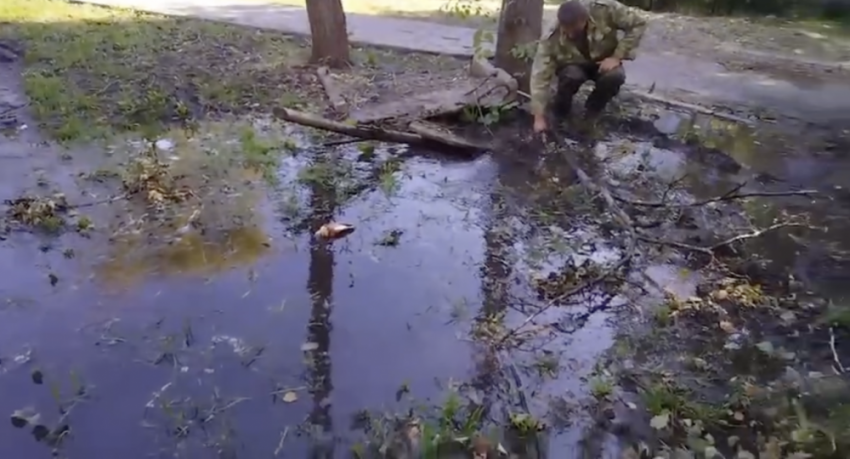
(165, 294)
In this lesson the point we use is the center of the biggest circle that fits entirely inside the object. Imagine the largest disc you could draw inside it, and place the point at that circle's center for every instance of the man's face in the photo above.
(575, 29)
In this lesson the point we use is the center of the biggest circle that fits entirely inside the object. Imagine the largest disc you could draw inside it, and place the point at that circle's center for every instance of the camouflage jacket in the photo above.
(555, 50)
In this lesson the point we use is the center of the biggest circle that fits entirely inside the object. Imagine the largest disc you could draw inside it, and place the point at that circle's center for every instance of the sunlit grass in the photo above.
(91, 71)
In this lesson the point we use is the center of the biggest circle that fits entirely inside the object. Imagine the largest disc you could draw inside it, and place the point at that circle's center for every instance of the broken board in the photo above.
(483, 92)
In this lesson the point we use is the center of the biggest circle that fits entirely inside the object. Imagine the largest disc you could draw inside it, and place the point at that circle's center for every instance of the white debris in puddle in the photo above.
(239, 346)
(164, 145)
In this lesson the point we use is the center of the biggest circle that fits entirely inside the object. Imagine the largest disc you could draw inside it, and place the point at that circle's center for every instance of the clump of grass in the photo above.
(44, 213)
(91, 71)
(601, 387)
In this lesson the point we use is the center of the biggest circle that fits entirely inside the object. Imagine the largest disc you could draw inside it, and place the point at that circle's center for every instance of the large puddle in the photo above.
(259, 341)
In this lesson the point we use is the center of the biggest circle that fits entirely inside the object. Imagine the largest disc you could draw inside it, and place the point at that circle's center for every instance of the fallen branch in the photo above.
(692, 107)
(839, 368)
(709, 250)
(730, 195)
(351, 130)
(334, 95)
(348, 141)
(426, 133)
(436, 133)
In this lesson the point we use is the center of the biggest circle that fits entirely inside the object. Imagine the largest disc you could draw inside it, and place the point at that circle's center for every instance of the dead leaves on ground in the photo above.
(149, 177)
(50, 214)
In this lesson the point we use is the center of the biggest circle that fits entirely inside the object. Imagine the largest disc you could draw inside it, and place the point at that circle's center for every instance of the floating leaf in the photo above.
(307, 347)
(334, 230)
(661, 421)
(289, 396)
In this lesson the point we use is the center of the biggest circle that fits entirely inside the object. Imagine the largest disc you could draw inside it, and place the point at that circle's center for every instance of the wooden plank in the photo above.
(429, 104)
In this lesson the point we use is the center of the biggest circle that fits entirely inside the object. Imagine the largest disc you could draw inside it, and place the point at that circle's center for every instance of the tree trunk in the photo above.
(520, 26)
(330, 35)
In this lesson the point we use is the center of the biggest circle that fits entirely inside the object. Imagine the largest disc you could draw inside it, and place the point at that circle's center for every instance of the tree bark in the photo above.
(520, 25)
(329, 32)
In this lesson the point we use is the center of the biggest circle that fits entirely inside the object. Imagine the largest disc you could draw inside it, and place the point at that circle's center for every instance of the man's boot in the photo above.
(595, 104)
(563, 103)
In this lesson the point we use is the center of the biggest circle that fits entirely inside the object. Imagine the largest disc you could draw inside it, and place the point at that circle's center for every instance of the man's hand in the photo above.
(540, 124)
(609, 64)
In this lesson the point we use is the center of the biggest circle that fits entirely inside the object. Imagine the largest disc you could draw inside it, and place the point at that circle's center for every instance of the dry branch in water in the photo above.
(692, 107)
(351, 130)
(709, 250)
(731, 195)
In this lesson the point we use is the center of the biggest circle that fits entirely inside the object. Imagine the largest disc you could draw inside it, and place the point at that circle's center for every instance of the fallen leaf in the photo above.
(332, 230)
(727, 326)
(289, 396)
(306, 347)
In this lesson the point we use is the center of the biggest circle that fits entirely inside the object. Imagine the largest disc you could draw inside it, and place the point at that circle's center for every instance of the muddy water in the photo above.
(181, 347)
(786, 158)
(210, 329)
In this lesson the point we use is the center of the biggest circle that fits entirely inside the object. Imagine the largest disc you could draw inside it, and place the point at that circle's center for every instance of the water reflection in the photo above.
(194, 253)
(320, 286)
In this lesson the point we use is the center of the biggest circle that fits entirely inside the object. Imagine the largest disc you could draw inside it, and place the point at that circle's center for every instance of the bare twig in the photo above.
(692, 107)
(12, 109)
(108, 200)
(350, 140)
(709, 250)
(282, 440)
(839, 368)
(731, 195)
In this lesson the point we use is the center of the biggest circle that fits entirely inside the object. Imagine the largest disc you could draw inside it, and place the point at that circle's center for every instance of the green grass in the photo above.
(92, 71)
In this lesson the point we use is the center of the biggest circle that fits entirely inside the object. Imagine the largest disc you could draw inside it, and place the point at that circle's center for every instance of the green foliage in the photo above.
(834, 9)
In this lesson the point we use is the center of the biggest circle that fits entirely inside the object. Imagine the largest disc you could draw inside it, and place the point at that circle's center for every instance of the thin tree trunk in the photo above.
(329, 32)
(520, 26)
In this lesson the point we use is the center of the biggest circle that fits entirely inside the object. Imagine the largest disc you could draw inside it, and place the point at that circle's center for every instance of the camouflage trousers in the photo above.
(572, 76)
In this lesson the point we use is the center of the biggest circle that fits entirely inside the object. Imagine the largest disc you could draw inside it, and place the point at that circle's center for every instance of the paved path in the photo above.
(667, 72)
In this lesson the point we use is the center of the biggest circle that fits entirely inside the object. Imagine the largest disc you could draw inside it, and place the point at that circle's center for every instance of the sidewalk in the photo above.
(667, 72)
(404, 34)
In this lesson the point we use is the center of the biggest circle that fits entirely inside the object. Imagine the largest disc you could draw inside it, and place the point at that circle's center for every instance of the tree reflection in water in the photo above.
(320, 286)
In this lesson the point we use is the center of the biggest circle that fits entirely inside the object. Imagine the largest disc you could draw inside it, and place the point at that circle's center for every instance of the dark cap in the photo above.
(571, 12)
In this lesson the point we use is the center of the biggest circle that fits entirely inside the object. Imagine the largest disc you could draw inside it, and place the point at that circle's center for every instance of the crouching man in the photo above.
(583, 45)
